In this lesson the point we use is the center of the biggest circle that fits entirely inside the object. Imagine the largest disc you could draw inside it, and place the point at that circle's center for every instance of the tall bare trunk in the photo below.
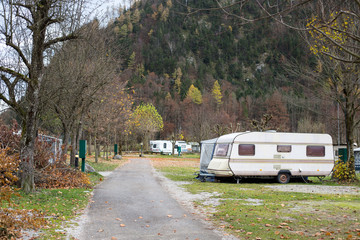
(89, 145)
(27, 170)
(96, 149)
(73, 151)
(350, 126)
(65, 143)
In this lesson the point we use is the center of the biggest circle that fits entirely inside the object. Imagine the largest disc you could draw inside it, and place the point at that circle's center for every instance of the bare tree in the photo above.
(74, 77)
(28, 32)
(109, 115)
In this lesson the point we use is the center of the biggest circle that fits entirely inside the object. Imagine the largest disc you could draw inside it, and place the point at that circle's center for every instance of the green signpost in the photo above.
(115, 149)
(82, 153)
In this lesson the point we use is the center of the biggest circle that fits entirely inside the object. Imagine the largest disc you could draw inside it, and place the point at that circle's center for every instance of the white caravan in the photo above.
(185, 148)
(272, 154)
(161, 146)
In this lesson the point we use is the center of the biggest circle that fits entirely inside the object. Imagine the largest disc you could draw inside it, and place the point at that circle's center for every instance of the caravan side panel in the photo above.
(268, 153)
(300, 154)
(267, 161)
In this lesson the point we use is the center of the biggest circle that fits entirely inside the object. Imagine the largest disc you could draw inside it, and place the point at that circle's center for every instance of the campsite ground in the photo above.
(251, 210)
(267, 210)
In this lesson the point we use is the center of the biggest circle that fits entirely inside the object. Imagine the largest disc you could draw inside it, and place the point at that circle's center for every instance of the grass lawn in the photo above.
(254, 211)
(175, 156)
(58, 205)
(62, 205)
(104, 164)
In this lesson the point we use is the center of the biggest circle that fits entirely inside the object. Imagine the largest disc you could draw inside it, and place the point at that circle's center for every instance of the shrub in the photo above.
(13, 220)
(47, 175)
(344, 172)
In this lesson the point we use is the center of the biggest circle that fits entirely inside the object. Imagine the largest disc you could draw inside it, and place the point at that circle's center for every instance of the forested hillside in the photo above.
(207, 74)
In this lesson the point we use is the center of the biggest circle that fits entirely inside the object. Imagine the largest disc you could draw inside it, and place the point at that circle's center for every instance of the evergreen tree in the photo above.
(177, 76)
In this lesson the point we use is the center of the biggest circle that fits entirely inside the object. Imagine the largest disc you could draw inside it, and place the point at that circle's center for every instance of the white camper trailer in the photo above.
(185, 148)
(161, 146)
(272, 154)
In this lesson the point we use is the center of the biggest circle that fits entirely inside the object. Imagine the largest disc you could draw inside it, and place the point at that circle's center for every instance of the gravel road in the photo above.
(308, 188)
(133, 203)
(137, 213)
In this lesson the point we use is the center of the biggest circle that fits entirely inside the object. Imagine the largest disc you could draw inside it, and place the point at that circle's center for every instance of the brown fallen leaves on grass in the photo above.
(47, 175)
(174, 162)
(13, 220)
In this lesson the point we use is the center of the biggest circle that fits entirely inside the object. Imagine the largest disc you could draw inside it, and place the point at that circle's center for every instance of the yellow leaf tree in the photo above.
(334, 39)
(146, 121)
(194, 94)
(216, 93)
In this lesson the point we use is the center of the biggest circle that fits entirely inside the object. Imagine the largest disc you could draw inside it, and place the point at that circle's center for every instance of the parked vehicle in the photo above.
(161, 146)
(270, 154)
(185, 148)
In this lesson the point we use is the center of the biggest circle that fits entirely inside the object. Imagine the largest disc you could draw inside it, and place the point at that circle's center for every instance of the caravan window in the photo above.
(154, 146)
(315, 151)
(164, 145)
(246, 149)
(284, 148)
(221, 150)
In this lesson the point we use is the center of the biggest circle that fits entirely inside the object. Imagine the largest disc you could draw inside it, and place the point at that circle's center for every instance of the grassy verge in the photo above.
(58, 205)
(254, 211)
(62, 205)
(103, 164)
(182, 156)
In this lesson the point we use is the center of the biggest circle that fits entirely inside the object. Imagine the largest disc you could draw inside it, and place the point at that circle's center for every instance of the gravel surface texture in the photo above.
(147, 206)
(186, 199)
(317, 189)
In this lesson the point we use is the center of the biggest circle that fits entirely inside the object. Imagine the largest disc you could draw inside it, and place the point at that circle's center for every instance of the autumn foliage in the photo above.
(12, 219)
(47, 175)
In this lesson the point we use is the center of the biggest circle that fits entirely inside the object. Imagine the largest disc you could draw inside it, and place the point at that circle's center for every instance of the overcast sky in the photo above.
(106, 9)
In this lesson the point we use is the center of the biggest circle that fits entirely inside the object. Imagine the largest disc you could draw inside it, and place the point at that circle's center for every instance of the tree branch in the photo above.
(60, 39)
(15, 74)
(340, 46)
(18, 50)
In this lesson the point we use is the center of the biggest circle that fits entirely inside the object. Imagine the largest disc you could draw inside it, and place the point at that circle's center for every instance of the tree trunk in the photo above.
(65, 143)
(73, 151)
(89, 145)
(96, 149)
(107, 151)
(350, 126)
(28, 140)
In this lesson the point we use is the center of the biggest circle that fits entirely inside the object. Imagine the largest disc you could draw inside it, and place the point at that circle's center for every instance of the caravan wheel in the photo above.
(283, 178)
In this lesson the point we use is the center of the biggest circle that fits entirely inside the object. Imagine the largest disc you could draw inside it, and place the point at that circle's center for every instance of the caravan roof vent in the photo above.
(270, 131)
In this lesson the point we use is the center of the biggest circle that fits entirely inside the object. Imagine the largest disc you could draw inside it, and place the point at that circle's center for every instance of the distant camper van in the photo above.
(161, 146)
(269, 154)
(185, 148)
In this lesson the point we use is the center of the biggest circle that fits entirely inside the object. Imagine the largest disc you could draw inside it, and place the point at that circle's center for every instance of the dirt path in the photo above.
(133, 204)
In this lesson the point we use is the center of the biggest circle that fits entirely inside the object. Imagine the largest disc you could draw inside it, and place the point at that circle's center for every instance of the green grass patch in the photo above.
(331, 182)
(255, 211)
(58, 205)
(103, 166)
(184, 155)
(95, 178)
(180, 173)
